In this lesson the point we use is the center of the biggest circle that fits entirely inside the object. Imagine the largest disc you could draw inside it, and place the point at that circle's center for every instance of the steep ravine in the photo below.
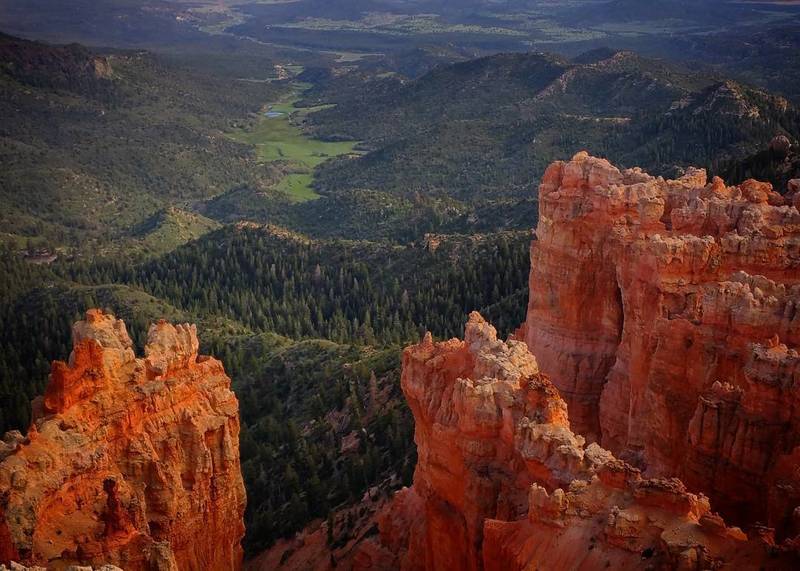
(643, 417)
(661, 343)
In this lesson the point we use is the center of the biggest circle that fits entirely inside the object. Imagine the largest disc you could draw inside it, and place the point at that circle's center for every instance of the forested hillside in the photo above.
(93, 144)
(461, 147)
(505, 117)
(151, 185)
(309, 330)
(778, 164)
(104, 148)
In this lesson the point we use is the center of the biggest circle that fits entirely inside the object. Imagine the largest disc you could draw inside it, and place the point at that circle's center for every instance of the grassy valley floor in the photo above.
(279, 138)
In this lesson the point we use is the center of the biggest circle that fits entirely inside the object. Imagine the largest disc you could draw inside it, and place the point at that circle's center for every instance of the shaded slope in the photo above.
(92, 144)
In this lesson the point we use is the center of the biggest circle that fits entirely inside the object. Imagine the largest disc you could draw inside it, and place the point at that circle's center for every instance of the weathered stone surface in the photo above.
(667, 313)
(170, 347)
(503, 483)
(131, 462)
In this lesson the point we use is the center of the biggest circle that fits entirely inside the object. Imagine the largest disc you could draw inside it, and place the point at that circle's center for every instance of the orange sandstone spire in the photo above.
(129, 461)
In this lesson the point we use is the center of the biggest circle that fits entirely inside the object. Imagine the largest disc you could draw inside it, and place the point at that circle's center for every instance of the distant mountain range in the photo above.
(97, 143)
(93, 143)
(472, 136)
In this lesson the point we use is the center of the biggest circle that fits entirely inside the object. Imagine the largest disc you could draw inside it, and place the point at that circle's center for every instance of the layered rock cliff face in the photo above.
(503, 483)
(667, 313)
(129, 461)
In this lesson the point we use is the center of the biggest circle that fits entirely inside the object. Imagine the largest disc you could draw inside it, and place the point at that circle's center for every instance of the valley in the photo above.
(318, 185)
(279, 138)
(274, 305)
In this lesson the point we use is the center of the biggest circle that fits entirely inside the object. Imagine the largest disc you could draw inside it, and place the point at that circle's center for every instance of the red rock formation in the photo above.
(133, 462)
(667, 313)
(502, 482)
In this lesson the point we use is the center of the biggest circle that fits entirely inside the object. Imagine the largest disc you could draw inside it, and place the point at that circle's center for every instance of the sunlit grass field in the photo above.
(281, 139)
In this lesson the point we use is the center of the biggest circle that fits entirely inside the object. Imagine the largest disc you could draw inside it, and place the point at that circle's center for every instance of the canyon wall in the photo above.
(667, 313)
(664, 317)
(129, 461)
(503, 483)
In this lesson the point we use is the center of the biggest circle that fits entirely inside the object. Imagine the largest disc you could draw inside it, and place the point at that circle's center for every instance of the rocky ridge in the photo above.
(128, 460)
(71, 67)
(503, 482)
(665, 312)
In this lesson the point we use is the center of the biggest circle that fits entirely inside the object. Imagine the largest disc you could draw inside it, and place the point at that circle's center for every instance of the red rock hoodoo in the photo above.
(667, 313)
(667, 316)
(503, 483)
(131, 462)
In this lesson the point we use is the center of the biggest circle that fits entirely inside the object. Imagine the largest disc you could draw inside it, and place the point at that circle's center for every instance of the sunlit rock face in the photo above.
(667, 313)
(129, 461)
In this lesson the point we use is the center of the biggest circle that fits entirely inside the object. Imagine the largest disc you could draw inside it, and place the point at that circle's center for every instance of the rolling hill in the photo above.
(94, 143)
(461, 145)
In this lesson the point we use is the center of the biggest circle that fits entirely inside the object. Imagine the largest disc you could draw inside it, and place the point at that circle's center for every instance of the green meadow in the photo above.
(281, 139)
